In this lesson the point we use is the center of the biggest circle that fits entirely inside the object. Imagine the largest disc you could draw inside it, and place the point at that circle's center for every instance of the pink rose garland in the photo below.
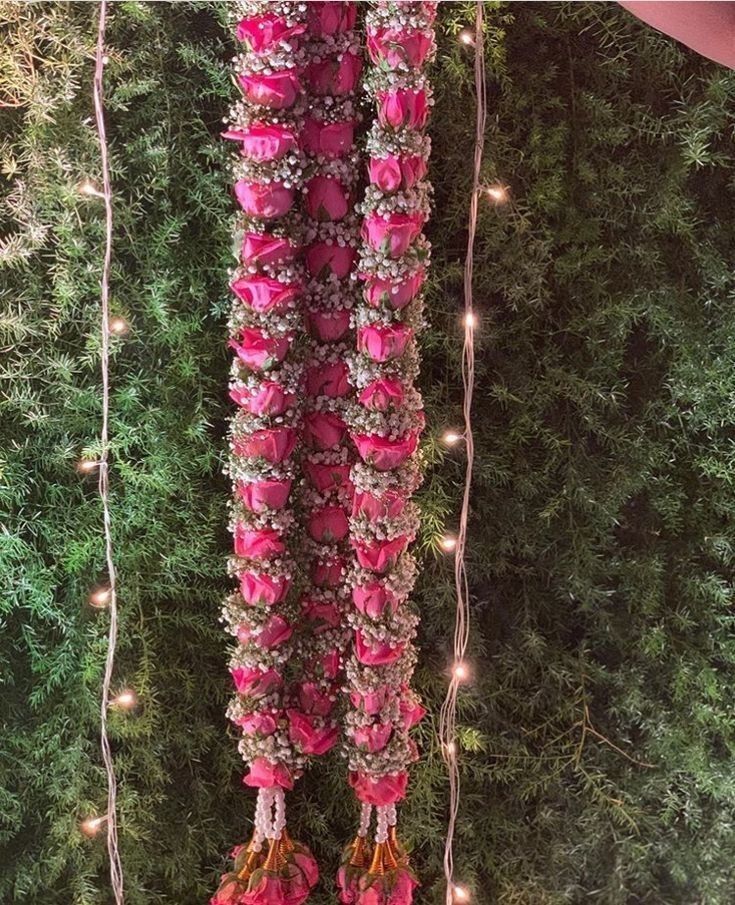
(385, 422)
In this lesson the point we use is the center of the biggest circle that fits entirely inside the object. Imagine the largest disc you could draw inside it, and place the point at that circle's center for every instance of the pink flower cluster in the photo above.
(385, 422)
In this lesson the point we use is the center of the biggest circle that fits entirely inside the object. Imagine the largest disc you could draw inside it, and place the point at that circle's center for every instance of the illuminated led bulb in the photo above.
(91, 826)
(126, 700)
(460, 672)
(119, 326)
(461, 894)
(470, 320)
(466, 37)
(450, 438)
(99, 597)
(87, 187)
(497, 193)
(448, 543)
(451, 749)
(86, 466)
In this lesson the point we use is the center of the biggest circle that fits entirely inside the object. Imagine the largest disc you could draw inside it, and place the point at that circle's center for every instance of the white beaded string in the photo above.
(381, 833)
(366, 813)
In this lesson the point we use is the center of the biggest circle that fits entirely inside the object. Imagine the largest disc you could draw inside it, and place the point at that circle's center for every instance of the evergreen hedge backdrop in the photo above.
(598, 736)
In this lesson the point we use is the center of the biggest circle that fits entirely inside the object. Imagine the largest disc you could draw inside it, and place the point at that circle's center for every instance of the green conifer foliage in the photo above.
(597, 738)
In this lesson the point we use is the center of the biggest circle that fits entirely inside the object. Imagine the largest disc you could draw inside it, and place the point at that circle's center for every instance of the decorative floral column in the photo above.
(385, 423)
(267, 379)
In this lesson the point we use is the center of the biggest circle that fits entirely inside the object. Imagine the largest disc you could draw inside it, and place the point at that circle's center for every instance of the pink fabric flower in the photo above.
(257, 543)
(268, 398)
(403, 108)
(394, 172)
(393, 234)
(264, 200)
(380, 654)
(229, 893)
(327, 573)
(395, 46)
(334, 77)
(266, 775)
(395, 295)
(323, 258)
(330, 664)
(372, 738)
(277, 91)
(323, 476)
(262, 33)
(383, 453)
(329, 18)
(264, 294)
(371, 702)
(328, 525)
(321, 614)
(262, 249)
(328, 139)
(259, 589)
(323, 430)
(326, 198)
(382, 394)
(304, 731)
(259, 351)
(306, 863)
(253, 682)
(328, 326)
(328, 379)
(379, 791)
(269, 890)
(373, 599)
(273, 444)
(312, 699)
(263, 142)
(383, 342)
(258, 496)
(412, 712)
(380, 555)
(257, 723)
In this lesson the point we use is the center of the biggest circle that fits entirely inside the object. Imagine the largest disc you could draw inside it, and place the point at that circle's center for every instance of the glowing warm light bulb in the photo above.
(126, 700)
(451, 437)
(466, 37)
(461, 894)
(99, 597)
(91, 825)
(87, 187)
(451, 748)
(119, 326)
(460, 672)
(470, 320)
(448, 543)
(497, 193)
(86, 466)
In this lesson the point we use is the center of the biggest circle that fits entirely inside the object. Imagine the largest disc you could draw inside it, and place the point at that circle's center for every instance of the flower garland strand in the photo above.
(267, 378)
(332, 66)
(385, 424)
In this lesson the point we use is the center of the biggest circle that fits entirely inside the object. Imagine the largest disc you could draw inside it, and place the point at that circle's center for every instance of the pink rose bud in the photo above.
(382, 394)
(327, 139)
(379, 790)
(412, 712)
(274, 633)
(323, 430)
(313, 700)
(257, 496)
(273, 444)
(263, 143)
(393, 234)
(257, 543)
(254, 682)
(330, 18)
(303, 859)
(328, 525)
(328, 326)
(371, 702)
(392, 173)
(263, 33)
(379, 654)
(259, 351)
(266, 888)
(262, 249)
(266, 775)
(327, 573)
(328, 379)
(257, 723)
(264, 200)
(373, 599)
(372, 738)
(383, 342)
(326, 198)
(403, 108)
(322, 615)
(381, 555)
(276, 91)
(305, 732)
(388, 505)
(383, 453)
(269, 398)
(334, 77)
(263, 590)
(394, 295)
(393, 47)
(323, 258)
(331, 663)
(323, 476)
(264, 294)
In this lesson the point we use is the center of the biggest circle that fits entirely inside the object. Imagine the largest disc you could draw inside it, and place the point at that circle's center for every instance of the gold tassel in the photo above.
(286, 846)
(389, 859)
(360, 853)
(396, 847)
(376, 865)
(252, 862)
(275, 860)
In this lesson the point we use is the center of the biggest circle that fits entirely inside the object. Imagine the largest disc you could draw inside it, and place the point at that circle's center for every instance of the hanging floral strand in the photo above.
(267, 378)
(332, 65)
(385, 423)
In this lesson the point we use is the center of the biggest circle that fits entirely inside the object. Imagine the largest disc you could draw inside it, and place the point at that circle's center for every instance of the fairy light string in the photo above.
(460, 672)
